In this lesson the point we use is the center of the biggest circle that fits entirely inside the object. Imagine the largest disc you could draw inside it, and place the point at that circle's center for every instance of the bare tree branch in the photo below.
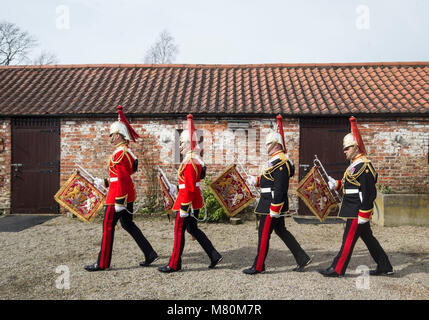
(45, 58)
(15, 44)
(163, 51)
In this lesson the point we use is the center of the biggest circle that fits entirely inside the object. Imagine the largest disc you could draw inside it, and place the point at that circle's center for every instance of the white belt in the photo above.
(267, 190)
(113, 179)
(182, 186)
(351, 191)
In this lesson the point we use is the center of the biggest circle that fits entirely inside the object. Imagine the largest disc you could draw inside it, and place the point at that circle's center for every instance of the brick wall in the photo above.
(398, 149)
(5, 161)
(86, 142)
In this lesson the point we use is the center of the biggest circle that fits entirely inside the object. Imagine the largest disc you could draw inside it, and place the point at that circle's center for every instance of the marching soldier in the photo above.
(358, 186)
(274, 184)
(120, 196)
(190, 173)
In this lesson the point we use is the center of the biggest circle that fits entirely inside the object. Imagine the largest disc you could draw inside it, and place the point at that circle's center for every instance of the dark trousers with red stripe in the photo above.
(189, 224)
(266, 226)
(352, 232)
(110, 220)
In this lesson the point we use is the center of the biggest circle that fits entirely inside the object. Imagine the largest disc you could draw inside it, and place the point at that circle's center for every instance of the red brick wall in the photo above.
(5, 161)
(398, 149)
(86, 142)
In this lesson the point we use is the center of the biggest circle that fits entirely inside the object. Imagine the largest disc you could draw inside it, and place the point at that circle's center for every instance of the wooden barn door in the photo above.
(322, 137)
(35, 165)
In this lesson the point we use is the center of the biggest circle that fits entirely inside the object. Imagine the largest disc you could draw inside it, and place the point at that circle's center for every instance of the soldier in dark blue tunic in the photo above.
(358, 186)
(274, 184)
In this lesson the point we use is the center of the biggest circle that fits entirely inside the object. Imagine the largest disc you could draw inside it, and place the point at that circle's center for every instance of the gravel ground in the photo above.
(30, 258)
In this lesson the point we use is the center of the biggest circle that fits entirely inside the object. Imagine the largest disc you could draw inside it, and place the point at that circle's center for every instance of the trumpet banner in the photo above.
(80, 197)
(315, 193)
(231, 190)
(167, 198)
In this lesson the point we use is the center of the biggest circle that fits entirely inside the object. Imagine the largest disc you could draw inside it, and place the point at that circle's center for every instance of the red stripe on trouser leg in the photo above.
(107, 237)
(264, 243)
(347, 247)
(177, 241)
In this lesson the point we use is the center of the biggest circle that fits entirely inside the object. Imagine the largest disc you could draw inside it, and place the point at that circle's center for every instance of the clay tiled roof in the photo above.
(299, 89)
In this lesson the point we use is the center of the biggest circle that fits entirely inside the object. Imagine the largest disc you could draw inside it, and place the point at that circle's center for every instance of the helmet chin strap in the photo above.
(184, 146)
(272, 145)
(113, 137)
(355, 152)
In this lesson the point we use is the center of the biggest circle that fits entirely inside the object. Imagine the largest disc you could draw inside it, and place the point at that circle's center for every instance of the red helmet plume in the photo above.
(191, 130)
(356, 134)
(121, 117)
(280, 130)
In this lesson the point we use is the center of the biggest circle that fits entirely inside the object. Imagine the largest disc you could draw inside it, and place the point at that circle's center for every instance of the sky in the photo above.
(227, 31)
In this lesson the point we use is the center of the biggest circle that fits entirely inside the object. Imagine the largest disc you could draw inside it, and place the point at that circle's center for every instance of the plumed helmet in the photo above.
(349, 141)
(121, 128)
(184, 137)
(272, 138)
(354, 138)
(187, 135)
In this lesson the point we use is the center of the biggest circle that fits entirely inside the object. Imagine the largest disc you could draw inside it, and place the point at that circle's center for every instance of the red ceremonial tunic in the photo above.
(189, 179)
(121, 187)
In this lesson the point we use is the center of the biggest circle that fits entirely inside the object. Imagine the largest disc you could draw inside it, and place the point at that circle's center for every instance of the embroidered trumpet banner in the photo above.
(231, 190)
(80, 197)
(314, 191)
(167, 198)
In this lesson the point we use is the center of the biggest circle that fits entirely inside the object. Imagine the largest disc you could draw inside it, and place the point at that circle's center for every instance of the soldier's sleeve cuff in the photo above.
(339, 185)
(365, 214)
(275, 209)
(184, 209)
(121, 201)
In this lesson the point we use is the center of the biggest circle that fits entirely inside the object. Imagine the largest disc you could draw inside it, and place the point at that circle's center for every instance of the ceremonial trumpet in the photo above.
(335, 194)
(90, 176)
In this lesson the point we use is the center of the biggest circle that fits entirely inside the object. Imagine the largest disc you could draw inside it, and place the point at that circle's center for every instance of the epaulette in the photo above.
(189, 159)
(113, 162)
(270, 170)
(352, 177)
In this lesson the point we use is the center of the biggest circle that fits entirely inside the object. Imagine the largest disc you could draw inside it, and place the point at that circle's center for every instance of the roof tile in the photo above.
(307, 89)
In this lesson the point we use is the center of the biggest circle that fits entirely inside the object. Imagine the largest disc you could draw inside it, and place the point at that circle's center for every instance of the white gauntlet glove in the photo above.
(119, 208)
(173, 190)
(99, 183)
(332, 183)
(362, 220)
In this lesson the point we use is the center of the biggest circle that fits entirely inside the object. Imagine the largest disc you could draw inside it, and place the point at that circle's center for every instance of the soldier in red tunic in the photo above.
(190, 172)
(121, 196)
